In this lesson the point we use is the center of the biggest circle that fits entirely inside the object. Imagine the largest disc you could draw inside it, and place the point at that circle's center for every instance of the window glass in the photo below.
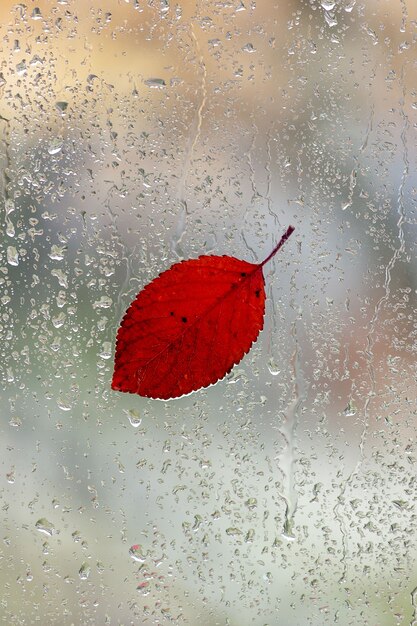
(137, 133)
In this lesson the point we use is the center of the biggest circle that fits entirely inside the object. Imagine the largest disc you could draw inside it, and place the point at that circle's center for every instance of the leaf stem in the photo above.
(279, 245)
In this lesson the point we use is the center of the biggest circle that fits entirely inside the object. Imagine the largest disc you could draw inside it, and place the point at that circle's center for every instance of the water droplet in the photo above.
(55, 145)
(15, 421)
(327, 5)
(235, 376)
(62, 278)
(106, 350)
(350, 409)
(9, 206)
(36, 60)
(248, 48)
(373, 35)
(233, 531)
(57, 252)
(330, 19)
(136, 553)
(61, 106)
(10, 230)
(268, 577)
(59, 320)
(155, 83)
(21, 68)
(36, 14)
(134, 417)
(84, 571)
(64, 403)
(287, 532)
(349, 6)
(55, 344)
(405, 45)
(401, 504)
(104, 303)
(273, 367)
(165, 466)
(44, 526)
(12, 256)
(198, 520)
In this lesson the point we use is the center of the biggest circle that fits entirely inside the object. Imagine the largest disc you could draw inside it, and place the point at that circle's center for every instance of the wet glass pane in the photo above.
(138, 133)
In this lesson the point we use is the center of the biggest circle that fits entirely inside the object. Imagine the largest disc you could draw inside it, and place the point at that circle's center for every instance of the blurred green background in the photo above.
(135, 133)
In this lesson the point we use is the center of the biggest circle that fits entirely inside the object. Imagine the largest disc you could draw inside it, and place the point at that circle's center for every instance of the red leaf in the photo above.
(190, 326)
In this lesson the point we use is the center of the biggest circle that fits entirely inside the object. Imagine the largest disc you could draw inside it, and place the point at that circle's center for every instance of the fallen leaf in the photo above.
(189, 327)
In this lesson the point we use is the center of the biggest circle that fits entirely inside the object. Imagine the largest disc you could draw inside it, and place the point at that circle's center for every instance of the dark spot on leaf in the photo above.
(184, 319)
(257, 292)
(243, 273)
(172, 313)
